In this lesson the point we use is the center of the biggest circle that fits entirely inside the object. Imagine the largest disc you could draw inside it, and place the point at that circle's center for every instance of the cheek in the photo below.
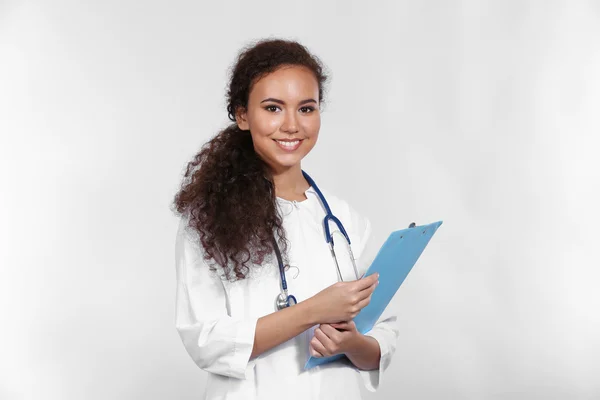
(262, 144)
(264, 124)
(311, 126)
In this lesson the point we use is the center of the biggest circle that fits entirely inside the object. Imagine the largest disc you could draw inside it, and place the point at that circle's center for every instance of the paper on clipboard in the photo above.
(393, 262)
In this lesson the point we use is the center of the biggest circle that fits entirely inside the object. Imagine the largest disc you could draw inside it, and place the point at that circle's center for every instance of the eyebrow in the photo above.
(283, 102)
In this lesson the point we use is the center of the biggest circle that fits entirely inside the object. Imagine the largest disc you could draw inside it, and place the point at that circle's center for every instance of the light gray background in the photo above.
(480, 113)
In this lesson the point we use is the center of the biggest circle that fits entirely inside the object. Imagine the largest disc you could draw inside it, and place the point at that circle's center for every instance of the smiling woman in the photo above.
(242, 195)
(275, 92)
(283, 117)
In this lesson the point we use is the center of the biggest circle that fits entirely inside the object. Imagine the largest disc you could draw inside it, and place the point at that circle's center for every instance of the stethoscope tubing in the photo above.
(284, 299)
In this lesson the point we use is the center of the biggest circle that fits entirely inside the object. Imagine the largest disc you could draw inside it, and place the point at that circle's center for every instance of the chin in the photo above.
(286, 163)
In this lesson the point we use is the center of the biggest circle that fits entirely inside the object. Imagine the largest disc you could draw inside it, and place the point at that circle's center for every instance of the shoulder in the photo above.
(190, 256)
(188, 244)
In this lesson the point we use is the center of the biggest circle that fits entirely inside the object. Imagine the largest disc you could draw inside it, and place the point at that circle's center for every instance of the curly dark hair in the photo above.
(227, 189)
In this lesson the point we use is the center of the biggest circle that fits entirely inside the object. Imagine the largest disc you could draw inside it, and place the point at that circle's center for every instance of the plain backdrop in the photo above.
(483, 114)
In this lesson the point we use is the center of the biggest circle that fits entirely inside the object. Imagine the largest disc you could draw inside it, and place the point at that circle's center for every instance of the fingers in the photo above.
(370, 288)
(333, 341)
(321, 343)
(323, 337)
(364, 302)
(366, 282)
(345, 326)
(314, 352)
(332, 333)
(340, 325)
(363, 294)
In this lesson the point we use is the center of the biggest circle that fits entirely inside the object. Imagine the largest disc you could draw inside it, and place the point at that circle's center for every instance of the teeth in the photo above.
(289, 144)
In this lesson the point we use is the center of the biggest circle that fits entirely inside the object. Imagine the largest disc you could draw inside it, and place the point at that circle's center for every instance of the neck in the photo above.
(290, 182)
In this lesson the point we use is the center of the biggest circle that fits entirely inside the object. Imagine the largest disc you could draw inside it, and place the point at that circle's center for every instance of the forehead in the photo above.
(287, 82)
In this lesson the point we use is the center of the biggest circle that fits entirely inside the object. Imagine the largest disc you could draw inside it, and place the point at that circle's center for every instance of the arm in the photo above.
(217, 342)
(280, 326)
(365, 354)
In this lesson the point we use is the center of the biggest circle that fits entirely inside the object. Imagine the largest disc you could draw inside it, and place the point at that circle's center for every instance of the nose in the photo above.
(290, 122)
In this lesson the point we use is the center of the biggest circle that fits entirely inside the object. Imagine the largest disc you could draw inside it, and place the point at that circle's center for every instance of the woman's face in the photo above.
(283, 116)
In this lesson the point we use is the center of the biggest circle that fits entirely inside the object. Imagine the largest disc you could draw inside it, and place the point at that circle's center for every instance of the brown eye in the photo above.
(306, 110)
(271, 108)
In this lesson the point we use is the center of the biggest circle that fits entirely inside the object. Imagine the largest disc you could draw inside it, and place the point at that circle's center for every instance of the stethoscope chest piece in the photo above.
(283, 300)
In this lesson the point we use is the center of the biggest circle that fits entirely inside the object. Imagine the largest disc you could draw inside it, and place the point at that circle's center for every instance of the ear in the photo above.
(241, 119)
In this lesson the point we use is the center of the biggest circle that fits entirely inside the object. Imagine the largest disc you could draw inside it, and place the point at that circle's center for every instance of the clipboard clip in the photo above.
(412, 225)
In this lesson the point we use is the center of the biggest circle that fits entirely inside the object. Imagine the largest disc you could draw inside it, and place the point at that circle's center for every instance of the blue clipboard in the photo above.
(393, 262)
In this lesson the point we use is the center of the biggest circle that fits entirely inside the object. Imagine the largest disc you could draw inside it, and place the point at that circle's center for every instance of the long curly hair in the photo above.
(227, 189)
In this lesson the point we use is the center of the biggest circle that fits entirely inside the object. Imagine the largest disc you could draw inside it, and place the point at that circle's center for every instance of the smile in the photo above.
(287, 145)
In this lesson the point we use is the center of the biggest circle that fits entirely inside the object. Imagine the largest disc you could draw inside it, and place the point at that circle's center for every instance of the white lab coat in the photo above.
(216, 318)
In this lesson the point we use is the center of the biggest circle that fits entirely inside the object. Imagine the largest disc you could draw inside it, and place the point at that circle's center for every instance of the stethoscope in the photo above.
(284, 299)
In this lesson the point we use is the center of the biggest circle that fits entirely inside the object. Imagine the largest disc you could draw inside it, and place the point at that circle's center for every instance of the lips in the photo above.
(288, 145)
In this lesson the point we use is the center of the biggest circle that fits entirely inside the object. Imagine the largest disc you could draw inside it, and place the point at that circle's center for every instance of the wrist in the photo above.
(308, 312)
(367, 353)
(356, 344)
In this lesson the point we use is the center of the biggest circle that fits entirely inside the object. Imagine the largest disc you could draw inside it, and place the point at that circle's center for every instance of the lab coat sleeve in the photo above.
(215, 341)
(386, 330)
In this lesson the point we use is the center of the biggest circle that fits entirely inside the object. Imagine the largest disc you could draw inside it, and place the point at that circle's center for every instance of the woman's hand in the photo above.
(342, 301)
(343, 338)
(332, 339)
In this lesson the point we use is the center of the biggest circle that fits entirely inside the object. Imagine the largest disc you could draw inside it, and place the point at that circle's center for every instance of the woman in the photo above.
(246, 208)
